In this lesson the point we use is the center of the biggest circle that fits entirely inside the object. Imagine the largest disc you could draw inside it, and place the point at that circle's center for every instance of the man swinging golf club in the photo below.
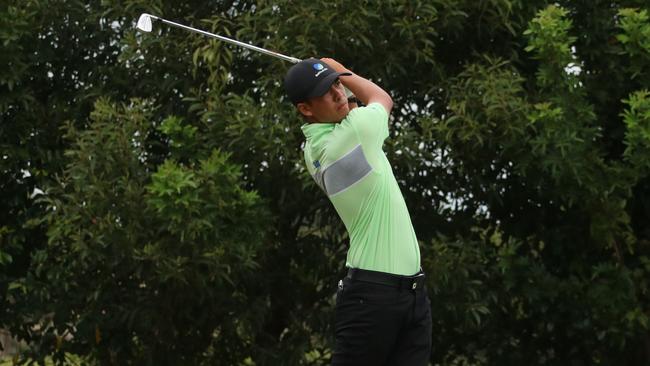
(383, 314)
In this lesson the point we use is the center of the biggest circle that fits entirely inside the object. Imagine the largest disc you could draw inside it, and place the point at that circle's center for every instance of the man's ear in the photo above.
(305, 109)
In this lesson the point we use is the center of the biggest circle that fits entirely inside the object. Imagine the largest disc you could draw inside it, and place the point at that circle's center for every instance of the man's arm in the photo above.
(365, 90)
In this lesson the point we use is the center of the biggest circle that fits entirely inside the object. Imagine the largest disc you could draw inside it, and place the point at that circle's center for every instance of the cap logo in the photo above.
(320, 68)
(320, 72)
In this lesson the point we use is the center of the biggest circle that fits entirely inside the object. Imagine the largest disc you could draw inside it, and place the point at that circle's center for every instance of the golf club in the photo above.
(144, 24)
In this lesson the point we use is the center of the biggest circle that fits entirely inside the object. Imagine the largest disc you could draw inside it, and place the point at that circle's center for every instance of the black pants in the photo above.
(381, 325)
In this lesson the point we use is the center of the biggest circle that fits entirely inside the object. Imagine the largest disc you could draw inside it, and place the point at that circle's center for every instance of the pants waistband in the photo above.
(414, 282)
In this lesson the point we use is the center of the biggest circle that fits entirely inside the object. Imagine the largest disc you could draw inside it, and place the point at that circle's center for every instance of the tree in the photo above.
(520, 139)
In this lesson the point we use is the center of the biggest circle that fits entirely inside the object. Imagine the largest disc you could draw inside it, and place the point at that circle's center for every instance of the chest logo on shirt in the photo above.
(316, 164)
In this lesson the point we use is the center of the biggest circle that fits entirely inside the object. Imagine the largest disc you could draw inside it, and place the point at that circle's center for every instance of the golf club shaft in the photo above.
(232, 41)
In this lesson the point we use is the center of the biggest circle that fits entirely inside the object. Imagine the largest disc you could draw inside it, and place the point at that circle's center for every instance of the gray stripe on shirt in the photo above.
(345, 172)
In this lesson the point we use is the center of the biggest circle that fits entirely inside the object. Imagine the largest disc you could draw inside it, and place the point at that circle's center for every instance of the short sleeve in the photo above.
(370, 124)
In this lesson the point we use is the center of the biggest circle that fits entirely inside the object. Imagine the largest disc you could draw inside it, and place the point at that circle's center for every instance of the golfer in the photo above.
(383, 314)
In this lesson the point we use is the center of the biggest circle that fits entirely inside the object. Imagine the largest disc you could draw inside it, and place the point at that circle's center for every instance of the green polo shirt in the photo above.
(347, 161)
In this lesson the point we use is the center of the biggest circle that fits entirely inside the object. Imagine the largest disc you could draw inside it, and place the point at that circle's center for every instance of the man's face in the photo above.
(330, 107)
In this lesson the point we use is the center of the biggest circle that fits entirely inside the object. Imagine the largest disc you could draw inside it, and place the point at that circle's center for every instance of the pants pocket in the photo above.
(370, 293)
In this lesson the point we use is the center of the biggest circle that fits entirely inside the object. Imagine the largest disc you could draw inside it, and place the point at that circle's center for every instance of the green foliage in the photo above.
(139, 256)
(635, 38)
(497, 296)
(637, 138)
(156, 208)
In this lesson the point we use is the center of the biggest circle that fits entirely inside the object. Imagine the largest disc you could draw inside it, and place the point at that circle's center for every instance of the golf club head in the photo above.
(144, 23)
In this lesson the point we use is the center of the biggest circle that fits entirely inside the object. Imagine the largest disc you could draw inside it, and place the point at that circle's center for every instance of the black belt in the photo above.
(414, 282)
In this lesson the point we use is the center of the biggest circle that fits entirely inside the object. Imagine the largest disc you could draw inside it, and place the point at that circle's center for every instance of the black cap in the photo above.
(309, 78)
